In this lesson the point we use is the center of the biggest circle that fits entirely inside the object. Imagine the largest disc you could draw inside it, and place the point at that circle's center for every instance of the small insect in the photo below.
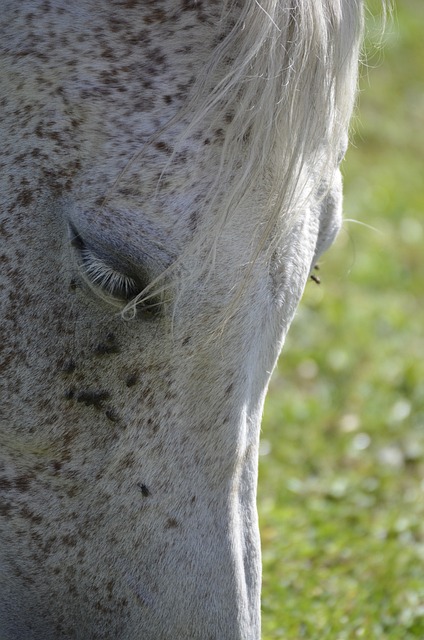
(144, 489)
(315, 278)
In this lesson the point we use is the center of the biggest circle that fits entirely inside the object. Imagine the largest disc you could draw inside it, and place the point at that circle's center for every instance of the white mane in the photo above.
(285, 76)
(286, 72)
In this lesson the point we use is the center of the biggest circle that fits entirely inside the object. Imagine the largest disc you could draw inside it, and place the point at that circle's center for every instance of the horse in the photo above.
(169, 179)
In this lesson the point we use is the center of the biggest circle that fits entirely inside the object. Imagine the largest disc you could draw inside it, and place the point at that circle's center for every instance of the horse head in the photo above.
(169, 179)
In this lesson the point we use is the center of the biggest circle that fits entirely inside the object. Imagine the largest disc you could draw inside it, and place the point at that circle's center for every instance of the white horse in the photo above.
(169, 177)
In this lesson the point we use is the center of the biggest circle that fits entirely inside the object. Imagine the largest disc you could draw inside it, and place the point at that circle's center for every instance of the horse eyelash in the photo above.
(100, 275)
(106, 278)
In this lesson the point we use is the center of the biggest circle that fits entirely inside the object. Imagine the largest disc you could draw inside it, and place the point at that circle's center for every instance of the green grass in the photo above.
(341, 493)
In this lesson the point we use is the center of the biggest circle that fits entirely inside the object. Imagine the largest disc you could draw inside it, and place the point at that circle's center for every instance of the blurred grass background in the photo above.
(341, 489)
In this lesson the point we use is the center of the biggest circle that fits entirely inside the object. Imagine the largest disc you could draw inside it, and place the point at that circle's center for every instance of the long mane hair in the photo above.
(286, 71)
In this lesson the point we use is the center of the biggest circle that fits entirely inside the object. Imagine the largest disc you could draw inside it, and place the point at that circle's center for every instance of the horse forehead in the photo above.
(89, 84)
(113, 45)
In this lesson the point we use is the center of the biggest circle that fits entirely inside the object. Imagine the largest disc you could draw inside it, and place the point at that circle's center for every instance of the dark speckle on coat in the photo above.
(92, 398)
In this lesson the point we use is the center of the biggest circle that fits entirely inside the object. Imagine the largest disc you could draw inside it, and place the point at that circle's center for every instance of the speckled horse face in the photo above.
(128, 446)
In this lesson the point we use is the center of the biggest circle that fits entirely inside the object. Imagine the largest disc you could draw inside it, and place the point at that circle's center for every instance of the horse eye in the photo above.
(103, 277)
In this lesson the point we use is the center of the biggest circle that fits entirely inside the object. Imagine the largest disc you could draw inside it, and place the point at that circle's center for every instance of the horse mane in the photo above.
(285, 75)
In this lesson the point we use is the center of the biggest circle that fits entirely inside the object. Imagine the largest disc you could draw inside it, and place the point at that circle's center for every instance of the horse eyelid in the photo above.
(112, 281)
(100, 274)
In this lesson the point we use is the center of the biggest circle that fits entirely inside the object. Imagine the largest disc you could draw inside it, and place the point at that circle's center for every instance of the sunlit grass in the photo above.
(341, 492)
